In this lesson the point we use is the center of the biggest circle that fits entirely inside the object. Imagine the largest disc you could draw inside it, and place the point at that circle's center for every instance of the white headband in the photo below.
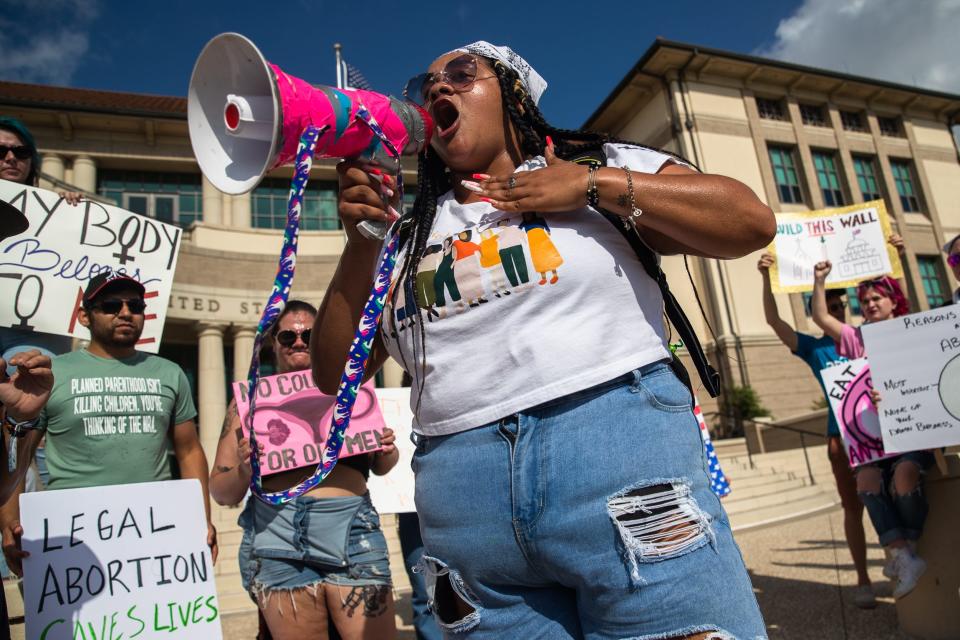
(532, 81)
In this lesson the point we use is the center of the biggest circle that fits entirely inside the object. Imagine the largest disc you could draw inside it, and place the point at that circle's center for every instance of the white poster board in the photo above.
(916, 367)
(120, 561)
(848, 386)
(853, 238)
(393, 492)
(44, 270)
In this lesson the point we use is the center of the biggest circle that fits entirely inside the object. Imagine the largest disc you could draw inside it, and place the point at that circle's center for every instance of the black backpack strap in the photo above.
(708, 375)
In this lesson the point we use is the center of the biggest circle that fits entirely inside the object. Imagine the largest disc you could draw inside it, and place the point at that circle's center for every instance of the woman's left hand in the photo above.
(387, 440)
(560, 186)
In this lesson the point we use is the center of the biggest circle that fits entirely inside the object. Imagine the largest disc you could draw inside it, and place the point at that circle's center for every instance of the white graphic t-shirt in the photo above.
(521, 309)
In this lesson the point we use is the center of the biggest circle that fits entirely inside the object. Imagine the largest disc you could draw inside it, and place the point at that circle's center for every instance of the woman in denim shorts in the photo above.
(320, 558)
(560, 476)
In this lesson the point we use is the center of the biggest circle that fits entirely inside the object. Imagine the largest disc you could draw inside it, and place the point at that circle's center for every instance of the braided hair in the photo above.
(434, 180)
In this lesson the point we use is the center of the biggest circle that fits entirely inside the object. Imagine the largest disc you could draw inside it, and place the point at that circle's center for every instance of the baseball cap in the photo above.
(101, 283)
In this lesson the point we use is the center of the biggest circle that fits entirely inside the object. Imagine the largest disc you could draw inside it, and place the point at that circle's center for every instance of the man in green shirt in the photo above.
(114, 412)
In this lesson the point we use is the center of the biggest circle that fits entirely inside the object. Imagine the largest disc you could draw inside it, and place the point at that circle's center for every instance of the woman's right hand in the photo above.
(821, 270)
(243, 455)
(766, 261)
(365, 194)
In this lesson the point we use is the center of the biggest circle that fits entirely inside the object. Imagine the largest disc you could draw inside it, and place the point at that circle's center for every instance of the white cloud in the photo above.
(44, 42)
(912, 42)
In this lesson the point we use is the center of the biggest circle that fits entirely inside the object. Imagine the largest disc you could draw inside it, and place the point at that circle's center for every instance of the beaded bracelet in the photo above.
(593, 195)
(635, 211)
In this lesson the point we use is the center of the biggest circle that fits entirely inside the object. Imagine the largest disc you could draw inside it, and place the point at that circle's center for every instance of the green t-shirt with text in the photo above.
(109, 421)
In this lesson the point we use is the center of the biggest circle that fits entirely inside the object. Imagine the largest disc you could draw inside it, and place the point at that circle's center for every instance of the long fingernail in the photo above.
(487, 200)
(393, 212)
(549, 141)
(471, 186)
(376, 172)
(480, 176)
(387, 192)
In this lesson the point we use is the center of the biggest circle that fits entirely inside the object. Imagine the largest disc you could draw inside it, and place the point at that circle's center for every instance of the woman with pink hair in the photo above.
(891, 489)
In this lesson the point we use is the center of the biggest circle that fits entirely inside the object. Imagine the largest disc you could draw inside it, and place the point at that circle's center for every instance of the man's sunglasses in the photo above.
(953, 259)
(288, 338)
(460, 73)
(20, 152)
(112, 306)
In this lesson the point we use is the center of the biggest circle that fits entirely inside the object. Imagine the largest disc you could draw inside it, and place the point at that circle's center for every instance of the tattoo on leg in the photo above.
(372, 597)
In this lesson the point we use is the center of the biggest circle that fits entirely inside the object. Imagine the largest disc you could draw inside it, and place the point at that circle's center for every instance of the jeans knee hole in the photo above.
(448, 596)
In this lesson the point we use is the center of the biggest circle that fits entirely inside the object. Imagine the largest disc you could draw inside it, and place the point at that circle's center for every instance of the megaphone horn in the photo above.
(245, 117)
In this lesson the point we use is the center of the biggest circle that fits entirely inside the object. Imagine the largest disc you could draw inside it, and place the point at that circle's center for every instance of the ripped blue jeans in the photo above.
(588, 517)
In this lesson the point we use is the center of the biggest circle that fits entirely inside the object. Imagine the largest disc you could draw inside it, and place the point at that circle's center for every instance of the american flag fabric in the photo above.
(355, 79)
(718, 482)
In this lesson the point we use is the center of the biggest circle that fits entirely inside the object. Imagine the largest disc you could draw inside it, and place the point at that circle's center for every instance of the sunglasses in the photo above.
(953, 259)
(113, 306)
(20, 152)
(460, 73)
(288, 338)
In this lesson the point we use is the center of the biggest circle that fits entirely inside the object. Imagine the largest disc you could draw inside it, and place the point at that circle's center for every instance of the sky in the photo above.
(582, 48)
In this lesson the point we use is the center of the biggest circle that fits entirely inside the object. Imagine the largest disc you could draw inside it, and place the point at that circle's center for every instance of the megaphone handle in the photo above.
(372, 230)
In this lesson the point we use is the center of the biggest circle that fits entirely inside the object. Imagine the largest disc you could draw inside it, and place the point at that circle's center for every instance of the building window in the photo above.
(785, 175)
(904, 179)
(319, 210)
(175, 198)
(771, 109)
(934, 280)
(812, 115)
(852, 121)
(891, 127)
(827, 177)
(866, 170)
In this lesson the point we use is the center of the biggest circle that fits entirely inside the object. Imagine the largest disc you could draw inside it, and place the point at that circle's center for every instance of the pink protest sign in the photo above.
(848, 386)
(293, 419)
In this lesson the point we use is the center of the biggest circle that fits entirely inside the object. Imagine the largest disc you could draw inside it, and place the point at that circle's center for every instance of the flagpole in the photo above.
(340, 78)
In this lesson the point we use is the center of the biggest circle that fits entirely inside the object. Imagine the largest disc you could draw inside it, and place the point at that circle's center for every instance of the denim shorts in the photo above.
(589, 517)
(308, 541)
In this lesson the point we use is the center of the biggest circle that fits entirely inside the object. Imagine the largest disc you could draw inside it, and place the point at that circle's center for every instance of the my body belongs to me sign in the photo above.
(293, 419)
(44, 270)
(124, 561)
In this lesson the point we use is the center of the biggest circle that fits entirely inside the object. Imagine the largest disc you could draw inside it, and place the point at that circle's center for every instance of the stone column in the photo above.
(212, 383)
(226, 210)
(212, 207)
(242, 351)
(85, 174)
(241, 211)
(53, 166)
(392, 373)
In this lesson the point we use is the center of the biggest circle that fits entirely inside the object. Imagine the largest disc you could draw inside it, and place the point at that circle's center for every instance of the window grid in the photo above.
(828, 179)
(903, 178)
(770, 109)
(933, 278)
(852, 121)
(186, 187)
(785, 175)
(812, 115)
(890, 126)
(865, 168)
(319, 210)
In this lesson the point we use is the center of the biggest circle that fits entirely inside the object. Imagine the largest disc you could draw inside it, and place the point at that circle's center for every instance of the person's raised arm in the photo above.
(231, 473)
(783, 330)
(361, 198)
(193, 464)
(818, 303)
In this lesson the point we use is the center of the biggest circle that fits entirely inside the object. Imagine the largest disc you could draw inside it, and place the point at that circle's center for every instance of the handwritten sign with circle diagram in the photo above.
(44, 269)
(853, 238)
(916, 366)
(848, 386)
(124, 561)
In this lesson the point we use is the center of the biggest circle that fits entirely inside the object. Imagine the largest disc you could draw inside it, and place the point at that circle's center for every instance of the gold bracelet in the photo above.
(635, 211)
(593, 195)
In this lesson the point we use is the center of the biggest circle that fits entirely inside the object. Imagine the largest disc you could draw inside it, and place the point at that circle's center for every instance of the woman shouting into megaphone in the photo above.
(560, 477)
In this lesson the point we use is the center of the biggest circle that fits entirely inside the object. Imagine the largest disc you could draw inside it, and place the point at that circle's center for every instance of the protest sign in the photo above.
(44, 270)
(916, 366)
(848, 386)
(293, 421)
(393, 492)
(123, 561)
(853, 238)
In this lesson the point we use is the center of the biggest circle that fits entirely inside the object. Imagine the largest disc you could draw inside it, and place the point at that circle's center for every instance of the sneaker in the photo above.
(890, 568)
(864, 598)
(909, 570)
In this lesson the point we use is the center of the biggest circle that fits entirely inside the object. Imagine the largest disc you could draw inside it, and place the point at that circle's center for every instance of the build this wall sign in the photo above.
(853, 238)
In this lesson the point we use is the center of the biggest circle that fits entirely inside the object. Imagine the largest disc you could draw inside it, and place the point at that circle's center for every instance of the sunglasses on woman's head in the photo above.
(19, 152)
(953, 259)
(288, 338)
(460, 73)
(112, 306)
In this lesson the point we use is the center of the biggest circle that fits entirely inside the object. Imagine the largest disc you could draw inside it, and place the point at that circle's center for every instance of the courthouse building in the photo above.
(801, 138)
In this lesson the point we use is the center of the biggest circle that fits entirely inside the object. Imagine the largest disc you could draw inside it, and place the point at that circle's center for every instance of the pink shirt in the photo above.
(851, 343)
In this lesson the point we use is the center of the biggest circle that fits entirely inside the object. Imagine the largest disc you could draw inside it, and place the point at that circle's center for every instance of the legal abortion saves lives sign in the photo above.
(293, 418)
(124, 561)
(44, 270)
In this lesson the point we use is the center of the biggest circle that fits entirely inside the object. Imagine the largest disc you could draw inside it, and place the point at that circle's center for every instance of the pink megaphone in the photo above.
(246, 115)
